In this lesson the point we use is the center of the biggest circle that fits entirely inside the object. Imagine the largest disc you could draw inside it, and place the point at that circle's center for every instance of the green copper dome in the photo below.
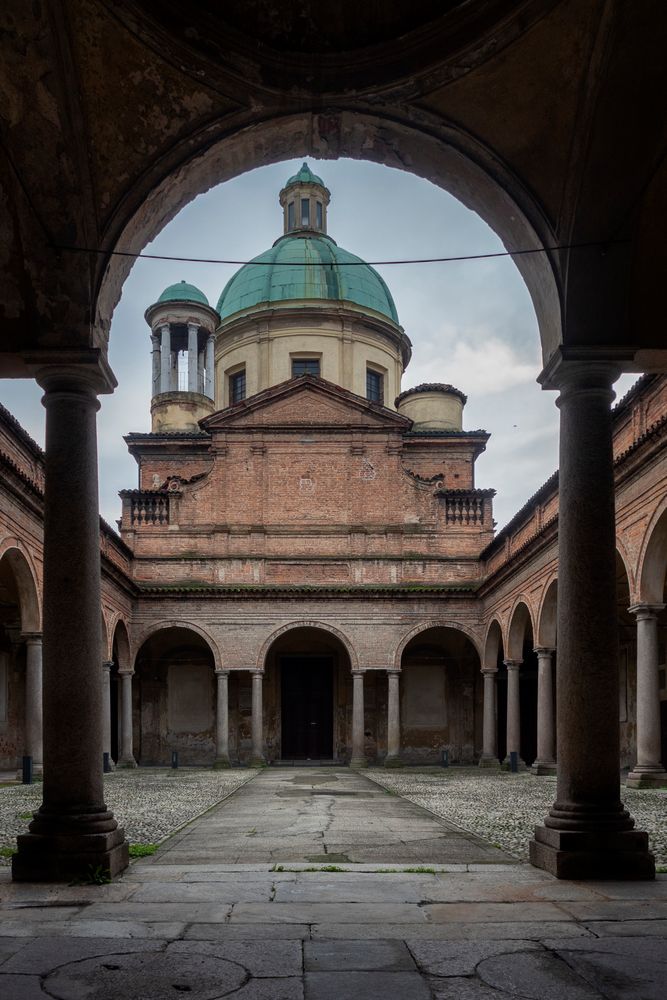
(311, 266)
(304, 176)
(183, 292)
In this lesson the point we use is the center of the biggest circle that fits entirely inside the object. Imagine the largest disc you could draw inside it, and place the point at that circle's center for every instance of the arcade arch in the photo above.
(173, 698)
(441, 696)
(20, 660)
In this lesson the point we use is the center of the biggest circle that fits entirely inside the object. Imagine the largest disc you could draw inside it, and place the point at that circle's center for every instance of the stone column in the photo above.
(358, 758)
(165, 359)
(126, 758)
(210, 364)
(513, 709)
(588, 833)
(222, 720)
(193, 358)
(257, 757)
(155, 357)
(393, 758)
(648, 771)
(33, 700)
(73, 830)
(489, 756)
(106, 708)
(545, 762)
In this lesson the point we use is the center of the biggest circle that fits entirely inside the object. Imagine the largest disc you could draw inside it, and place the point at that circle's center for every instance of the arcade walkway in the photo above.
(226, 909)
(324, 816)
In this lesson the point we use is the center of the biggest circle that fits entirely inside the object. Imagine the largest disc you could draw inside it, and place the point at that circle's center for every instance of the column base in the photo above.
(358, 762)
(540, 767)
(257, 762)
(126, 762)
(521, 764)
(393, 761)
(221, 763)
(580, 855)
(646, 779)
(71, 848)
(490, 762)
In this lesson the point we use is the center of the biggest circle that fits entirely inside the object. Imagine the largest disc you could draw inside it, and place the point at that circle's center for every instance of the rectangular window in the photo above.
(305, 211)
(305, 366)
(290, 215)
(237, 387)
(318, 213)
(374, 386)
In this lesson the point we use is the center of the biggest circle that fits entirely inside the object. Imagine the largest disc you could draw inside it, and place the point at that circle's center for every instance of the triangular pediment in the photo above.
(305, 402)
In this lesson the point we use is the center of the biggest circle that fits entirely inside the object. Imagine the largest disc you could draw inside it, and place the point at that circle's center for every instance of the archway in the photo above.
(441, 697)
(120, 660)
(494, 659)
(450, 158)
(521, 649)
(627, 665)
(20, 718)
(653, 592)
(307, 696)
(174, 698)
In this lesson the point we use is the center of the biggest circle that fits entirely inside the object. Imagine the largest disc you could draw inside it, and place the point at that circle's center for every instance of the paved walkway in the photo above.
(178, 924)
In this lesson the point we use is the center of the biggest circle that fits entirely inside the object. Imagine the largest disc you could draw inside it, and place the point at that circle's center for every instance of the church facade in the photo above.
(306, 570)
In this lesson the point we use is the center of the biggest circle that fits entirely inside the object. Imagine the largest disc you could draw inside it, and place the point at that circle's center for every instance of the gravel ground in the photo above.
(150, 804)
(503, 808)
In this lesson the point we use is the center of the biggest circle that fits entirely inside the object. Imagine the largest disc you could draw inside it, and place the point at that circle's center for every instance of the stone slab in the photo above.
(627, 928)
(452, 931)
(260, 957)
(95, 928)
(16, 987)
(365, 986)
(357, 956)
(490, 912)
(218, 892)
(42, 955)
(465, 989)
(460, 958)
(241, 932)
(271, 989)
(535, 975)
(617, 909)
(331, 913)
(180, 912)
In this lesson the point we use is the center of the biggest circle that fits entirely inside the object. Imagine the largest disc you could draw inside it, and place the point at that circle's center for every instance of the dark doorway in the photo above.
(114, 693)
(663, 732)
(307, 707)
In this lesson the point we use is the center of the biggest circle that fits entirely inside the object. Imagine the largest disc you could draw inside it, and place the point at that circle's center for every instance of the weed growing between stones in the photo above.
(142, 850)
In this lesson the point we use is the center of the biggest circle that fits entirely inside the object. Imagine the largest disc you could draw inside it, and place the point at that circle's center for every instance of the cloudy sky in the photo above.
(471, 323)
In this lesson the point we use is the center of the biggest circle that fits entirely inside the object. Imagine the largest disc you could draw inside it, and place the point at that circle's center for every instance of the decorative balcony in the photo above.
(467, 508)
(147, 508)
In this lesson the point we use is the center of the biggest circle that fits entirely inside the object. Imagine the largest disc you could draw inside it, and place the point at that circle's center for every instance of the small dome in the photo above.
(311, 267)
(304, 176)
(183, 292)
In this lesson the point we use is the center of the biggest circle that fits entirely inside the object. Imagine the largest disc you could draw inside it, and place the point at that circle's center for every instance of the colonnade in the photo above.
(200, 351)
(588, 833)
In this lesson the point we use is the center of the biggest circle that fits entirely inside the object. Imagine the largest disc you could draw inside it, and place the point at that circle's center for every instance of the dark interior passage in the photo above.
(306, 707)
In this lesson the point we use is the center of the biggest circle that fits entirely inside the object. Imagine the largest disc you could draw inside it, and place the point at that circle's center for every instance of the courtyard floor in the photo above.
(315, 884)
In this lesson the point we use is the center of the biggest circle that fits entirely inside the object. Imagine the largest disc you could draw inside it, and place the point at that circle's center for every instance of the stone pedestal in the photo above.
(545, 762)
(489, 756)
(588, 833)
(73, 834)
(222, 720)
(257, 758)
(358, 758)
(33, 700)
(393, 758)
(648, 772)
(126, 758)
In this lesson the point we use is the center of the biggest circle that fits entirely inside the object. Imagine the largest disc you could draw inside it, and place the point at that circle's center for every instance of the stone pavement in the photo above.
(183, 923)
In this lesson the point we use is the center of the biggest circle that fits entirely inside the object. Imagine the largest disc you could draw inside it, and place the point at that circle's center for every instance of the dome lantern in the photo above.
(304, 201)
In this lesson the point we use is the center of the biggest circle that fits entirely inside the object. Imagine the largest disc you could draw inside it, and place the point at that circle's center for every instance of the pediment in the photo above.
(305, 402)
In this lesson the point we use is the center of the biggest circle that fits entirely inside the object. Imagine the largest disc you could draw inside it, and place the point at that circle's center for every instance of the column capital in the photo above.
(512, 664)
(583, 369)
(544, 650)
(646, 611)
(489, 670)
(393, 670)
(256, 671)
(31, 636)
(358, 671)
(125, 673)
(107, 665)
(222, 671)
